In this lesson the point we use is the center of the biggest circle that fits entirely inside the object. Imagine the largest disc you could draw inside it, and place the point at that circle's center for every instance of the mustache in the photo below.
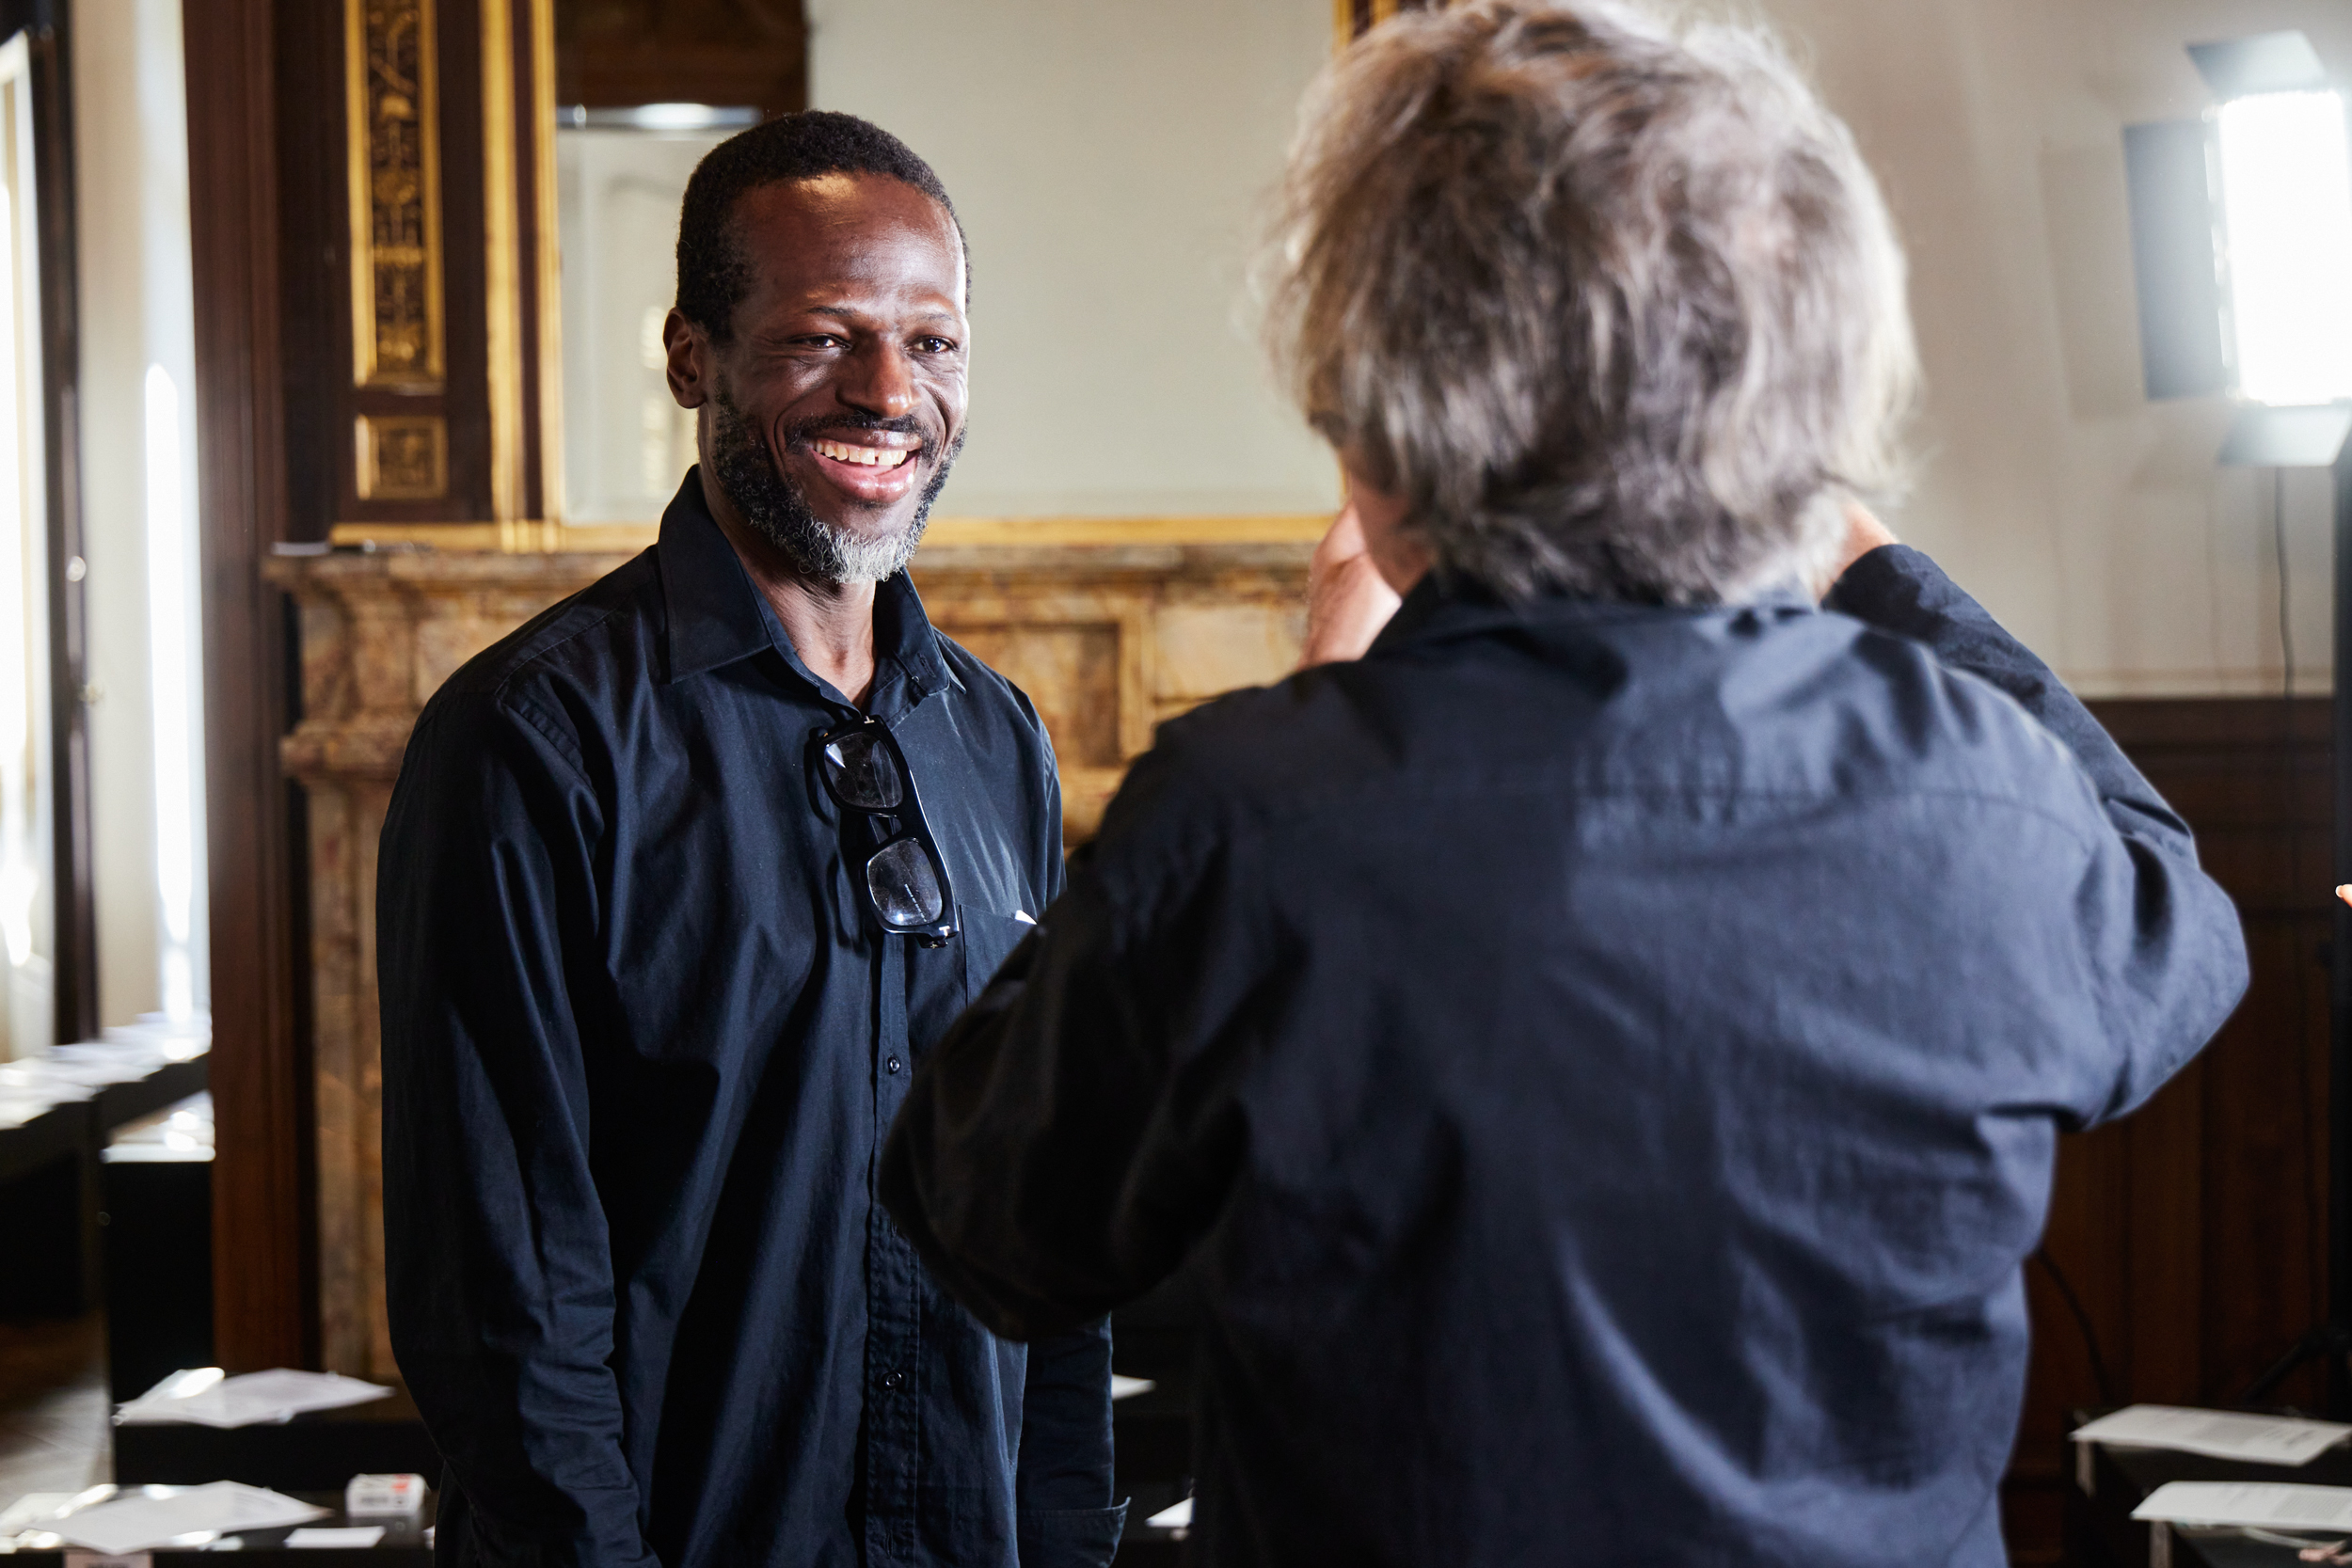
(800, 433)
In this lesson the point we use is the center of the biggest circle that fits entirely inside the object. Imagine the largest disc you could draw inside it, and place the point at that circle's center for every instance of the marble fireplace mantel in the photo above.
(1110, 627)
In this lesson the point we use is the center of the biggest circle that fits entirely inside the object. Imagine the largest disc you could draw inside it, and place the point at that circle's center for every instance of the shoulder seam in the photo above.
(506, 696)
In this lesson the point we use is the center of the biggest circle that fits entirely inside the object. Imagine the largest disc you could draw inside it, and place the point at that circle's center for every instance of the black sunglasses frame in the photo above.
(887, 826)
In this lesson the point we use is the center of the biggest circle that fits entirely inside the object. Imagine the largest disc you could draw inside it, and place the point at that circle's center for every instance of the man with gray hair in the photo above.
(1602, 1049)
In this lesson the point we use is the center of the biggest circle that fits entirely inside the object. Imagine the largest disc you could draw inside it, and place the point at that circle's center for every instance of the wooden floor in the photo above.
(53, 1432)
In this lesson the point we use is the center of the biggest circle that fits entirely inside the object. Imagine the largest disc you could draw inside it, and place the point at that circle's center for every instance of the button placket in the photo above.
(893, 1306)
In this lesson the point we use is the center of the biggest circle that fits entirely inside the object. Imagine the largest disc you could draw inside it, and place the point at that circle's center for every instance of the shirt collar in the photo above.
(718, 617)
(1436, 610)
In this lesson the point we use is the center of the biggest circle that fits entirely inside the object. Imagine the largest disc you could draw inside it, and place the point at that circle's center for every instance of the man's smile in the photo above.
(875, 466)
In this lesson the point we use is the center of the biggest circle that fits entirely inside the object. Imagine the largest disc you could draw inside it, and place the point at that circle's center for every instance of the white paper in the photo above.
(2269, 1504)
(1178, 1517)
(348, 1536)
(157, 1515)
(1128, 1388)
(2262, 1439)
(255, 1398)
(34, 1511)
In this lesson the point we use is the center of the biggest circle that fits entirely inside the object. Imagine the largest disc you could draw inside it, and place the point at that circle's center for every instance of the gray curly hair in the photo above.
(1614, 304)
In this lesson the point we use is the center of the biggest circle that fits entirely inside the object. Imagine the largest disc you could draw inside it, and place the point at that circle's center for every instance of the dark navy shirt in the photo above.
(641, 1044)
(1604, 1063)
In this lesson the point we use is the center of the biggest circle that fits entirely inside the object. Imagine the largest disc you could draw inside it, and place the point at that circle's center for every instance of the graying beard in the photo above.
(780, 514)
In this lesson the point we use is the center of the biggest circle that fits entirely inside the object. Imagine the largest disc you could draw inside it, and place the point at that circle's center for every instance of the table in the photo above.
(2102, 1533)
(403, 1546)
(49, 1185)
(317, 1450)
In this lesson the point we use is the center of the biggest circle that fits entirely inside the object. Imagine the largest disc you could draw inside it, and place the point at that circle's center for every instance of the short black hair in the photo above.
(713, 272)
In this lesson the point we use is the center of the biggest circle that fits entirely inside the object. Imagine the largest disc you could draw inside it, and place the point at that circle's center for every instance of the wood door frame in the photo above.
(264, 1274)
(49, 57)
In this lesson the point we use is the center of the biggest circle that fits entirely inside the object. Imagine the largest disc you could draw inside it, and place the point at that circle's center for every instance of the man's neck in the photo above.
(831, 624)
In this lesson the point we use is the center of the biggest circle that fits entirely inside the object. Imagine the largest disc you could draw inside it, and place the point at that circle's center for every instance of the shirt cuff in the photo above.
(1069, 1537)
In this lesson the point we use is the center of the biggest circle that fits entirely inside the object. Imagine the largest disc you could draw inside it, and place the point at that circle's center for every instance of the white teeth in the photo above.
(870, 457)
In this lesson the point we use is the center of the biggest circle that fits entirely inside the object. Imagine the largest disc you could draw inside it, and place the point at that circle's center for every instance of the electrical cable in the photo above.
(2286, 625)
(2294, 826)
(2099, 1377)
(2294, 758)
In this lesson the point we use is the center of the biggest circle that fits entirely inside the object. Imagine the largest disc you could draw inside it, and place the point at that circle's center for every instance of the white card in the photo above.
(2221, 1433)
(350, 1537)
(2265, 1504)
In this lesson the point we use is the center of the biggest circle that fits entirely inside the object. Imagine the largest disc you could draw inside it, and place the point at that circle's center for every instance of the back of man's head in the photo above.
(713, 272)
(1616, 305)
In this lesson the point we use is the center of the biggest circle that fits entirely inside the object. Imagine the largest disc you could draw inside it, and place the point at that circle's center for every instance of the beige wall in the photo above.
(1107, 155)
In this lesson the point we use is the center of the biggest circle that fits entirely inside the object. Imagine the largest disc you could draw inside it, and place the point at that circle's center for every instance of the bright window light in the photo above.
(20, 876)
(2286, 201)
(168, 651)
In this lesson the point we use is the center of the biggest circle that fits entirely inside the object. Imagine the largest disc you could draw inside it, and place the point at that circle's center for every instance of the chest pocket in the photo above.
(989, 939)
(943, 981)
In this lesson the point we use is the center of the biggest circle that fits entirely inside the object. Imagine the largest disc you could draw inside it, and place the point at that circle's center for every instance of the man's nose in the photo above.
(880, 379)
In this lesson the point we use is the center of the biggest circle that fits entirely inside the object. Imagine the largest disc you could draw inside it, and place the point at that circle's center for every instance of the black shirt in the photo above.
(1605, 1065)
(641, 1044)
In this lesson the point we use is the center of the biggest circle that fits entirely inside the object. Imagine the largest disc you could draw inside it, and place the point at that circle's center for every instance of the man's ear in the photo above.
(691, 374)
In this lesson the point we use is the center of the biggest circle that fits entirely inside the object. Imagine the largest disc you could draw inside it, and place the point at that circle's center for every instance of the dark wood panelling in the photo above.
(467, 399)
(315, 257)
(618, 53)
(2194, 1232)
(263, 1284)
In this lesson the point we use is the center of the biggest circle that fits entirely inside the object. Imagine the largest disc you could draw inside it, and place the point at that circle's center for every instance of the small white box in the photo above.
(383, 1496)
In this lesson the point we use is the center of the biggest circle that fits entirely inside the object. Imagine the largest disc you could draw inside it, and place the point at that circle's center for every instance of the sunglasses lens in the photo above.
(905, 888)
(862, 772)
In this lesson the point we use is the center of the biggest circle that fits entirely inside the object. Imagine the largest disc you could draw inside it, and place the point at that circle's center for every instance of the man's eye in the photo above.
(935, 345)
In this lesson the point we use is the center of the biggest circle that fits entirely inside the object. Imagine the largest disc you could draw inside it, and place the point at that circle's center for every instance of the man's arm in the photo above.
(1061, 1149)
(1062, 1490)
(1063, 1481)
(2160, 937)
(497, 1260)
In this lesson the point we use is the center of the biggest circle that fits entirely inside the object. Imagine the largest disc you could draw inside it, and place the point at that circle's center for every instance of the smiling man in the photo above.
(679, 881)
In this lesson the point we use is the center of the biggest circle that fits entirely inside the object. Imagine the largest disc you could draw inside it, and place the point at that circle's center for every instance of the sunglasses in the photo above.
(905, 881)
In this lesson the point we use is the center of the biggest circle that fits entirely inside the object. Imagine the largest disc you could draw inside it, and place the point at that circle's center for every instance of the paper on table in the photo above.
(2249, 1502)
(359, 1537)
(35, 1509)
(140, 1521)
(2263, 1439)
(256, 1397)
(1128, 1388)
(1178, 1517)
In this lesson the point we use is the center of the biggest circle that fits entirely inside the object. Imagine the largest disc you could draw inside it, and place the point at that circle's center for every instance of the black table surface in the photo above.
(315, 1450)
(2103, 1532)
(402, 1545)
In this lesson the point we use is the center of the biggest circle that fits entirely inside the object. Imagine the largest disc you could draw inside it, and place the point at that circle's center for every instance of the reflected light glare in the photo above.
(20, 876)
(2286, 199)
(675, 116)
(169, 657)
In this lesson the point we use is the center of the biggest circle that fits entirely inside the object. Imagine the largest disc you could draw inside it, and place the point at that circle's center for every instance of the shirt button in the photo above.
(892, 1380)
(892, 1064)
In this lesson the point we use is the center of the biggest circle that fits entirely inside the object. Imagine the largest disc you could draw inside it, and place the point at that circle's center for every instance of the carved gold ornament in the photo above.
(396, 194)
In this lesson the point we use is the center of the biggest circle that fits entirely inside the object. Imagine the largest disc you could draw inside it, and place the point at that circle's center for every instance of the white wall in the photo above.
(1107, 157)
(138, 310)
(626, 443)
